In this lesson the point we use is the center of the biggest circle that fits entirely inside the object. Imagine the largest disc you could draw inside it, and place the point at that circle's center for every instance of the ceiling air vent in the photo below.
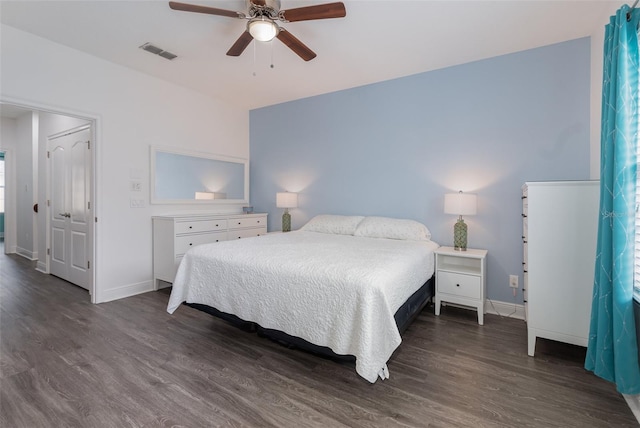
(158, 51)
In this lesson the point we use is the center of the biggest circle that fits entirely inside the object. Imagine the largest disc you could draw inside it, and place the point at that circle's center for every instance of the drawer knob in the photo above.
(239, 222)
(457, 285)
(216, 225)
(190, 227)
(190, 244)
(217, 240)
(258, 221)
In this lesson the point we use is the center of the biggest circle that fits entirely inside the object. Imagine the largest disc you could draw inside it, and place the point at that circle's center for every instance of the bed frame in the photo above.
(404, 316)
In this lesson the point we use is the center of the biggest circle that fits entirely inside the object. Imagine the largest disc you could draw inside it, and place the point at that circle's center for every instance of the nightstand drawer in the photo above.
(184, 243)
(459, 284)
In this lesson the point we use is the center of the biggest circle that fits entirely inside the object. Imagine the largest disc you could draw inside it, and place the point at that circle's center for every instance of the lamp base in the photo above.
(460, 235)
(286, 221)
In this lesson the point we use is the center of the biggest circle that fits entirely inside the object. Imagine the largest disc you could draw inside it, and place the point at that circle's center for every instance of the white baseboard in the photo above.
(41, 267)
(27, 254)
(633, 401)
(124, 291)
(504, 309)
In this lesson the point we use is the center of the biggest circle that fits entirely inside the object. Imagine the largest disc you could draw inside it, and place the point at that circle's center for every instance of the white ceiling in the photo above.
(378, 40)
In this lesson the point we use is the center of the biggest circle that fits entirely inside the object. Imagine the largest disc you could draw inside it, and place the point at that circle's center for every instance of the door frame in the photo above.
(95, 124)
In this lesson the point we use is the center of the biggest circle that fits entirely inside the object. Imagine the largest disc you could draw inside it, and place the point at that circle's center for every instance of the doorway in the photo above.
(43, 123)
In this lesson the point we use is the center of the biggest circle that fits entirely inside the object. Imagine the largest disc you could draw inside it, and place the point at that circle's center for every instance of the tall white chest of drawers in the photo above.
(560, 228)
(174, 235)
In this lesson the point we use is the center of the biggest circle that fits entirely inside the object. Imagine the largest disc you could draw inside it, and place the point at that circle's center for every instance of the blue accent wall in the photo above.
(395, 148)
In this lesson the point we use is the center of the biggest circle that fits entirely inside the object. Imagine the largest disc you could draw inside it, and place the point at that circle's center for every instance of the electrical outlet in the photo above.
(513, 281)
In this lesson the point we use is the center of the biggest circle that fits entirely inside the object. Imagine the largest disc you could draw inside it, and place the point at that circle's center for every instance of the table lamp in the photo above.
(286, 200)
(460, 204)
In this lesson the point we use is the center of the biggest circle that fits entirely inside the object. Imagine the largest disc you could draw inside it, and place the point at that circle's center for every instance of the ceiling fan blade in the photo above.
(204, 9)
(320, 11)
(295, 45)
(241, 44)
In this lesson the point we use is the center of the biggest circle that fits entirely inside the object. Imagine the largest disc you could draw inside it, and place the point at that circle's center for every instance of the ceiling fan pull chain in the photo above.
(254, 59)
(271, 48)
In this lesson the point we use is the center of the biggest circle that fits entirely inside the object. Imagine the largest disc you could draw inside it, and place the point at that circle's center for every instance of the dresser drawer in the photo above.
(459, 284)
(184, 243)
(242, 222)
(198, 226)
(247, 233)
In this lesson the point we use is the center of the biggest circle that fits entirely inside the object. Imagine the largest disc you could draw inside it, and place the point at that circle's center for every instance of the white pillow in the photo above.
(393, 228)
(336, 224)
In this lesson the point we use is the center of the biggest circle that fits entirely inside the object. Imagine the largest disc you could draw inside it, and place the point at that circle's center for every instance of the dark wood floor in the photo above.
(66, 362)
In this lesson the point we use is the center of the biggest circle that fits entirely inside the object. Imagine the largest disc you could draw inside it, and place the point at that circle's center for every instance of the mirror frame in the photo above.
(154, 150)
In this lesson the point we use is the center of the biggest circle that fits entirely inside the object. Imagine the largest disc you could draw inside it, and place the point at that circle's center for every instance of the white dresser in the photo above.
(560, 227)
(174, 235)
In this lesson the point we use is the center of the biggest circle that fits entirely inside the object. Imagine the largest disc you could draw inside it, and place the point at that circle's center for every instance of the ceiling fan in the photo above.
(262, 16)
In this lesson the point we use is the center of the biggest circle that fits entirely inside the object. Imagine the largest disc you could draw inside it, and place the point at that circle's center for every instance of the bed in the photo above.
(337, 283)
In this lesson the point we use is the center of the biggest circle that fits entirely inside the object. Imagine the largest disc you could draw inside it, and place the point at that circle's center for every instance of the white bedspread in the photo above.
(338, 291)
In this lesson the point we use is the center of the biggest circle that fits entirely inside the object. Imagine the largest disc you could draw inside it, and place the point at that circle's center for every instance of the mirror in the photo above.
(179, 177)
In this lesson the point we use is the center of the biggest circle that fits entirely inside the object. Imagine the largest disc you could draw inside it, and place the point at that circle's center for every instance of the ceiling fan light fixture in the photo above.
(263, 30)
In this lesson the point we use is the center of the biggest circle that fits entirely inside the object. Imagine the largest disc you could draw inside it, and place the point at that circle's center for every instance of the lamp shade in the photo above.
(460, 203)
(286, 200)
(262, 29)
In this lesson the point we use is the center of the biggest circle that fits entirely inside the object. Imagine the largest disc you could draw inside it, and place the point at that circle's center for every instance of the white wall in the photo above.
(7, 133)
(132, 112)
(25, 186)
(8, 145)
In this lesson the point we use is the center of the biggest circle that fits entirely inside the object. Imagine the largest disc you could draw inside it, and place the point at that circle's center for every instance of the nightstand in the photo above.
(461, 278)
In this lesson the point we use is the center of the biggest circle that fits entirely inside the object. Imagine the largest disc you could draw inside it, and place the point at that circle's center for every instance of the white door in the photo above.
(70, 208)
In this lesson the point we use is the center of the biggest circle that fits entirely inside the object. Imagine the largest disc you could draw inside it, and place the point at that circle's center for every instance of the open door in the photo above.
(70, 213)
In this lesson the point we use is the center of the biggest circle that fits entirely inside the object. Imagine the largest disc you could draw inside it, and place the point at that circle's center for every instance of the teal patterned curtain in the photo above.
(612, 351)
